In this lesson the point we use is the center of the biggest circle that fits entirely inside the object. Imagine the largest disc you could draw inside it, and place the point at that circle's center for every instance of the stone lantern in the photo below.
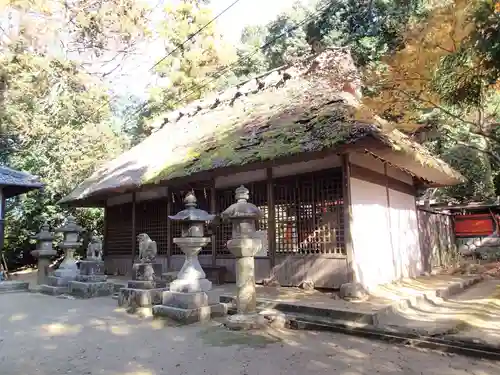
(71, 231)
(68, 269)
(44, 252)
(191, 277)
(244, 244)
(190, 298)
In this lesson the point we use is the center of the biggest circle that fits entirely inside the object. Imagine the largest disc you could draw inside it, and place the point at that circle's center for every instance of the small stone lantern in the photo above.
(44, 252)
(191, 277)
(71, 231)
(244, 244)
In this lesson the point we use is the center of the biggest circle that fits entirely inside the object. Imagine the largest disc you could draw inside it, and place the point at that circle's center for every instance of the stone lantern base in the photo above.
(10, 286)
(58, 283)
(187, 308)
(91, 282)
(145, 289)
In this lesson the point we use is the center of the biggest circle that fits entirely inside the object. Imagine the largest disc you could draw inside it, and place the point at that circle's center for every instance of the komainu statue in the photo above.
(147, 248)
(94, 248)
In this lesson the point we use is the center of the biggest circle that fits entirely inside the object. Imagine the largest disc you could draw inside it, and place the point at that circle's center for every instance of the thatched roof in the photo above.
(14, 182)
(296, 109)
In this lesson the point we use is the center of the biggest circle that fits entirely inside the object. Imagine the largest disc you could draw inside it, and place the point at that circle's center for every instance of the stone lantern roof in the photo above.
(70, 227)
(242, 208)
(191, 213)
(44, 234)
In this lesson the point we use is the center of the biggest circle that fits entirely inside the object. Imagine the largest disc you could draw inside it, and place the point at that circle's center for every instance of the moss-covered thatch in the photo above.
(287, 112)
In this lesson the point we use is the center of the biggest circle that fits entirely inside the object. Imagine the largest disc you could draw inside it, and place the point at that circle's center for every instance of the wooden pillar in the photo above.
(213, 209)
(169, 229)
(105, 229)
(346, 194)
(389, 220)
(134, 234)
(271, 219)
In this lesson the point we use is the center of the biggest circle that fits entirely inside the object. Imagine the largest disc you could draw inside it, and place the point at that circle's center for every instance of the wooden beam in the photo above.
(271, 219)
(213, 210)
(134, 235)
(388, 201)
(346, 194)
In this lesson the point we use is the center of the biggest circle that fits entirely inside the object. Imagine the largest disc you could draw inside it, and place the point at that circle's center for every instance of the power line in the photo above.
(179, 46)
(241, 59)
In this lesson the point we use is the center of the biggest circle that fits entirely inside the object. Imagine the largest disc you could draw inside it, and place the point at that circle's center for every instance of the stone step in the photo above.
(52, 290)
(188, 316)
(313, 311)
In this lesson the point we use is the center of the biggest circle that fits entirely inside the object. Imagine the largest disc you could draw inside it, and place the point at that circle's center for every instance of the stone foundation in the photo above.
(135, 298)
(56, 285)
(90, 289)
(146, 271)
(187, 308)
(13, 286)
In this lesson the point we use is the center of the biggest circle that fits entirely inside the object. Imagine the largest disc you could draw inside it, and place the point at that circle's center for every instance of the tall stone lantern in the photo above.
(190, 298)
(44, 252)
(244, 244)
(191, 277)
(71, 231)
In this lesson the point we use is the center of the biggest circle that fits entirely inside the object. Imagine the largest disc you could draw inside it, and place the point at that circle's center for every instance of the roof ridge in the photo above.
(270, 79)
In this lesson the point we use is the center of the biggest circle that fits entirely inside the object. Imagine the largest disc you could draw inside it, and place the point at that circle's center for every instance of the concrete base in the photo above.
(90, 289)
(140, 284)
(190, 300)
(53, 290)
(191, 286)
(91, 278)
(59, 281)
(134, 298)
(245, 322)
(91, 267)
(13, 286)
(66, 273)
(146, 271)
(188, 316)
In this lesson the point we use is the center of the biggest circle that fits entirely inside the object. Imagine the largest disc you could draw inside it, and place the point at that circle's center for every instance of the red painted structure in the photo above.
(475, 225)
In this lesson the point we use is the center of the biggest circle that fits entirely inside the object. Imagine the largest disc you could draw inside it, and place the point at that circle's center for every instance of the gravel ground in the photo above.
(43, 335)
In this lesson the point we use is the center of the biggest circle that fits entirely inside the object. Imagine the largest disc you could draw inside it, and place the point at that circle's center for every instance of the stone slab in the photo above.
(91, 278)
(188, 316)
(13, 286)
(245, 322)
(90, 289)
(66, 273)
(190, 300)
(133, 298)
(59, 281)
(144, 284)
(146, 271)
(191, 286)
(91, 267)
(53, 290)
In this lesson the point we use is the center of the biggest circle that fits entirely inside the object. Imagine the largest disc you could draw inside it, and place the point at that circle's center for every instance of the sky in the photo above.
(135, 77)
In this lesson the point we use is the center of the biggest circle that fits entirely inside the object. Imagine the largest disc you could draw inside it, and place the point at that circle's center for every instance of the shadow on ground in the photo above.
(42, 335)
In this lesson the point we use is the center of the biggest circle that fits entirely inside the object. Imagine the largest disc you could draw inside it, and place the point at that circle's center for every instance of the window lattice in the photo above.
(225, 198)
(151, 218)
(309, 213)
(119, 229)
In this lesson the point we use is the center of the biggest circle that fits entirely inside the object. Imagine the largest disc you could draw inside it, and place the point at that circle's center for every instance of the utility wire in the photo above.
(179, 46)
(229, 67)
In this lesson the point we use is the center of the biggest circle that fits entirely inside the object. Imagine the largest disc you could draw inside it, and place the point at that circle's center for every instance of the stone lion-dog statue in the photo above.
(147, 248)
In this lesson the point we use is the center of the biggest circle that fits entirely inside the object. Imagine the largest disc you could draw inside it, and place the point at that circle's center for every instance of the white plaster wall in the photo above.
(373, 257)
(405, 235)
(385, 239)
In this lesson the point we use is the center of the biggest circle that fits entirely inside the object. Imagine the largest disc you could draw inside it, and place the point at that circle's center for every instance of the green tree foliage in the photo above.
(55, 122)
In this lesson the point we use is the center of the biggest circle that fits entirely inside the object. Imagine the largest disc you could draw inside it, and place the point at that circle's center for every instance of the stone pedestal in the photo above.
(91, 281)
(145, 289)
(190, 298)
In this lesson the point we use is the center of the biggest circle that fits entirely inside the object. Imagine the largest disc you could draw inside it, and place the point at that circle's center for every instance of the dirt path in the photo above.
(42, 335)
